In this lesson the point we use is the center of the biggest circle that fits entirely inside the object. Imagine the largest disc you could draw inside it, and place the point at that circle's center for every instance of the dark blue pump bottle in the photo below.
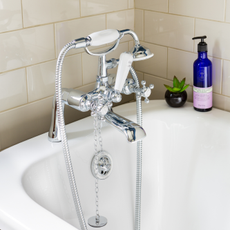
(202, 79)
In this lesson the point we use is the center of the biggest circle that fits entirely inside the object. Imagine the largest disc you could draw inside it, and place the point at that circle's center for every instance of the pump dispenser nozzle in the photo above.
(202, 45)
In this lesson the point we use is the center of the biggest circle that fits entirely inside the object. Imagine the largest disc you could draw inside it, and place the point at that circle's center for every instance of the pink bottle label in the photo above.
(202, 97)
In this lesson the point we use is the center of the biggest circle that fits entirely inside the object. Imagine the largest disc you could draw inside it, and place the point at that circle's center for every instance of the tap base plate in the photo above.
(97, 223)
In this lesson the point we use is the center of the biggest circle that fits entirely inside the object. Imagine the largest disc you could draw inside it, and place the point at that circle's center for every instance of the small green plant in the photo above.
(178, 87)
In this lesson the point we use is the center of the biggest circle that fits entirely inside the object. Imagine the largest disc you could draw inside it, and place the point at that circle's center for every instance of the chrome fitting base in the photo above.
(97, 222)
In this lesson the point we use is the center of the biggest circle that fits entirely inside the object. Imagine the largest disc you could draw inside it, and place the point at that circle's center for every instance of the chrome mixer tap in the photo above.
(107, 91)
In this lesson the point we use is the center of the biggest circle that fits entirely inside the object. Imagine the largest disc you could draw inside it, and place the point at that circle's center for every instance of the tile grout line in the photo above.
(69, 55)
(222, 77)
(29, 102)
(67, 20)
(27, 89)
(143, 30)
(55, 42)
(225, 9)
(144, 73)
(185, 16)
(106, 21)
(23, 26)
(194, 34)
(167, 64)
(161, 78)
(39, 100)
(187, 51)
(82, 70)
(134, 22)
(43, 62)
(80, 8)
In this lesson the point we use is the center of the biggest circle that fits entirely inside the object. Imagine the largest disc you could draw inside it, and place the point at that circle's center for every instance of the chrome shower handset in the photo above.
(103, 37)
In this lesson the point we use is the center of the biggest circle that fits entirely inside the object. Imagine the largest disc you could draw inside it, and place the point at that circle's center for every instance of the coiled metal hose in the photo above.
(137, 225)
(65, 145)
(62, 129)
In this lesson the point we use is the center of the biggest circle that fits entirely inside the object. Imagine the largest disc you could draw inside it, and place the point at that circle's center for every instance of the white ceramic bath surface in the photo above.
(186, 174)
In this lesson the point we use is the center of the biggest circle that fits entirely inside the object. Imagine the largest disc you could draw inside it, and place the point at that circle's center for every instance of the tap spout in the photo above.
(132, 131)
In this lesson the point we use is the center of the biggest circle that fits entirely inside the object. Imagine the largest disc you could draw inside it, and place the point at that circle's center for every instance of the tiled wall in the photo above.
(167, 27)
(32, 33)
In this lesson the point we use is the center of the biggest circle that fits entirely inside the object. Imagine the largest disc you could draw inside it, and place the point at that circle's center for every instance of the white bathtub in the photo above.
(186, 174)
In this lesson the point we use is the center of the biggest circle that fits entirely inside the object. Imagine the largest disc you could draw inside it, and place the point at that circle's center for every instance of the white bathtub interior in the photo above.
(186, 173)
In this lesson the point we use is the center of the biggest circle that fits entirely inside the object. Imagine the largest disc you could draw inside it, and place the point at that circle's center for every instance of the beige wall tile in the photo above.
(11, 15)
(13, 89)
(66, 32)
(24, 122)
(26, 47)
(227, 10)
(226, 78)
(221, 102)
(169, 30)
(72, 72)
(189, 91)
(90, 63)
(131, 44)
(140, 76)
(131, 4)
(157, 65)
(41, 78)
(121, 20)
(208, 9)
(216, 74)
(46, 11)
(180, 64)
(90, 68)
(90, 7)
(218, 37)
(139, 23)
(156, 5)
(34, 48)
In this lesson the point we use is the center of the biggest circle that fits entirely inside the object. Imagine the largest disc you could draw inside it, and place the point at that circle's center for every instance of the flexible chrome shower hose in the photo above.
(137, 225)
(65, 145)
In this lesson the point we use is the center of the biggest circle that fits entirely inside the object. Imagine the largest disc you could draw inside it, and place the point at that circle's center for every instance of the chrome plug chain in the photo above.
(97, 221)
(97, 138)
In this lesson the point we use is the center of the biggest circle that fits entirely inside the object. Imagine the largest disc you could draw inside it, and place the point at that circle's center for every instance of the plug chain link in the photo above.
(97, 139)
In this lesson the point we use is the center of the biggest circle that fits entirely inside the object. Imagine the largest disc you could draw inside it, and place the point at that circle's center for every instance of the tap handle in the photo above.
(125, 62)
(146, 91)
(103, 37)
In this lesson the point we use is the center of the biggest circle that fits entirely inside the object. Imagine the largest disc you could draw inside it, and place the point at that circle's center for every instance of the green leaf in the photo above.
(168, 88)
(182, 83)
(185, 87)
(175, 90)
(176, 83)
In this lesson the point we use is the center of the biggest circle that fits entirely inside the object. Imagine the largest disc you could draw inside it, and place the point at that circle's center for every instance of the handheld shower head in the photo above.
(141, 53)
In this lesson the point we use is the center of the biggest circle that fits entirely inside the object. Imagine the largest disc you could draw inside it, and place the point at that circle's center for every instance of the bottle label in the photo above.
(202, 97)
